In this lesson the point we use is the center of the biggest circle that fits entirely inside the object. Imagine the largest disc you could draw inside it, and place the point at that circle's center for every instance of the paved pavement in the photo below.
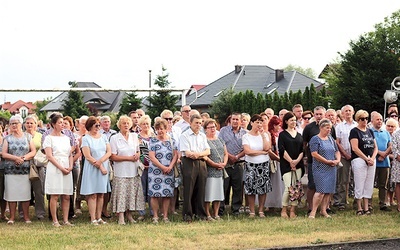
(386, 244)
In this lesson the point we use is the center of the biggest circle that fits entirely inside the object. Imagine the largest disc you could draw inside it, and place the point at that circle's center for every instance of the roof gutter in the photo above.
(237, 78)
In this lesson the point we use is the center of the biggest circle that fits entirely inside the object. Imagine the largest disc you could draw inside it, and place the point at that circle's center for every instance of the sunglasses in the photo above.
(363, 119)
(169, 119)
(393, 116)
(97, 125)
(186, 111)
(307, 118)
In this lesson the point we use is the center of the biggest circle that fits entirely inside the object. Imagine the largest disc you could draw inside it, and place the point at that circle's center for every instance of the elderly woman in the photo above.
(163, 155)
(59, 169)
(144, 135)
(290, 145)
(37, 185)
(256, 145)
(363, 153)
(174, 132)
(326, 157)
(391, 127)
(95, 175)
(216, 162)
(18, 149)
(127, 194)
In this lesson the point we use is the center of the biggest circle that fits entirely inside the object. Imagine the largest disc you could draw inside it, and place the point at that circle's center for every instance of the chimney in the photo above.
(278, 75)
(238, 68)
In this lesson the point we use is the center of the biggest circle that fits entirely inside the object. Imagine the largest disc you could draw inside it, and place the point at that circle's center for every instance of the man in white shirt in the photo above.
(343, 173)
(194, 147)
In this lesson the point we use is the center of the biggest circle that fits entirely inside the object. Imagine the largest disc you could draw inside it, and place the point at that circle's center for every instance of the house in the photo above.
(259, 79)
(99, 101)
(19, 107)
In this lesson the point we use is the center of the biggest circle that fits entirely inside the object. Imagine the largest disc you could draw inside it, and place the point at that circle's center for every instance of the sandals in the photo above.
(101, 222)
(155, 220)
(360, 212)
(367, 212)
(69, 224)
(261, 214)
(56, 224)
(252, 215)
(10, 222)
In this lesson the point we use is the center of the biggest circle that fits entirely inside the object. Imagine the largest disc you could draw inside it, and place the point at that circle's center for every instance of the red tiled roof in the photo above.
(16, 106)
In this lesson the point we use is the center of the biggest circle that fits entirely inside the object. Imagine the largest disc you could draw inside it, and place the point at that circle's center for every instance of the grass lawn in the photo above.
(231, 233)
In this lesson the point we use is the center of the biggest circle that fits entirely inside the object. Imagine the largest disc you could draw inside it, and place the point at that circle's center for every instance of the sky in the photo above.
(45, 43)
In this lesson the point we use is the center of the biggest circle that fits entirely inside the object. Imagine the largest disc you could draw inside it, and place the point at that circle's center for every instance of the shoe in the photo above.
(155, 220)
(247, 210)
(217, 218)
(308, 212)
(121, 222)
(28, 221)
(326, 215)
(342, 208)
(106, 216)
(252, 215)
(140, 218)
(209, 218)
(261, 214)
(292, 216)
(5, 218)
(94, 223)
(69, 224)
(311, 217)
(241, 210)
(10, 222)
(131, 220)
(56, 224)
(166, 220)
(78, 212)
(101, 222)
(284, 215)
(368, 212)
(175, 213)
(360, 212)
(385, 208)
(330, 211)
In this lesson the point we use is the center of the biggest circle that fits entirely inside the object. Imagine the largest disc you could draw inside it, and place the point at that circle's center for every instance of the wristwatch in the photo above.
(23, 158)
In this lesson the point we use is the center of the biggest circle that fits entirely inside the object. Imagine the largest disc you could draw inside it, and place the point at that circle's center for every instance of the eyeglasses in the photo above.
(186, 111)
(97, 125)
(390, 126)
(14, 123)
(169, 119)
(307, 118)
(363, 119)
(394, 116)
(212, 127)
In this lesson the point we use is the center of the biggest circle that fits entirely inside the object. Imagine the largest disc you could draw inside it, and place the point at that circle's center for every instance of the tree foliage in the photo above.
(161, 99)
(39, 105)
(366, 70)
(74, 105)
(247, 102)
(130, 102)
(306, 71)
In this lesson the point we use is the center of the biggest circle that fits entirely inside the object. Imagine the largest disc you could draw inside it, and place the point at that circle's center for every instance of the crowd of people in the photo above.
(251, 162)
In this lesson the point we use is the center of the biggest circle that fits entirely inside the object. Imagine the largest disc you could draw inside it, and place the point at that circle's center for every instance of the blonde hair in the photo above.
(361, 113)
(124, 118)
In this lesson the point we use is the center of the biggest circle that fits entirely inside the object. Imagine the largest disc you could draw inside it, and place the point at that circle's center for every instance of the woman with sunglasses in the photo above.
(363, 153)
(174, 132)
(95, 176)
(306, 116)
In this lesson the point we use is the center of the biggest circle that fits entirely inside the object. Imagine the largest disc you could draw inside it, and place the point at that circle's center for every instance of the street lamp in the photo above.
(392, 94)
(149, 86)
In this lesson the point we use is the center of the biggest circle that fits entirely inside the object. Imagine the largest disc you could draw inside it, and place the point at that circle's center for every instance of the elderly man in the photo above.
(232, 136)
(105, 123)
(384, 143)
(281, 113)
(184, 123)
(342, 140)
(269, 112)
(194, 147)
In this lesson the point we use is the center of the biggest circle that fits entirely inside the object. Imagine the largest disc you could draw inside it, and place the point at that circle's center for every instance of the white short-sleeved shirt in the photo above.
(255, 143)
(122, 147)
(189, 141)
